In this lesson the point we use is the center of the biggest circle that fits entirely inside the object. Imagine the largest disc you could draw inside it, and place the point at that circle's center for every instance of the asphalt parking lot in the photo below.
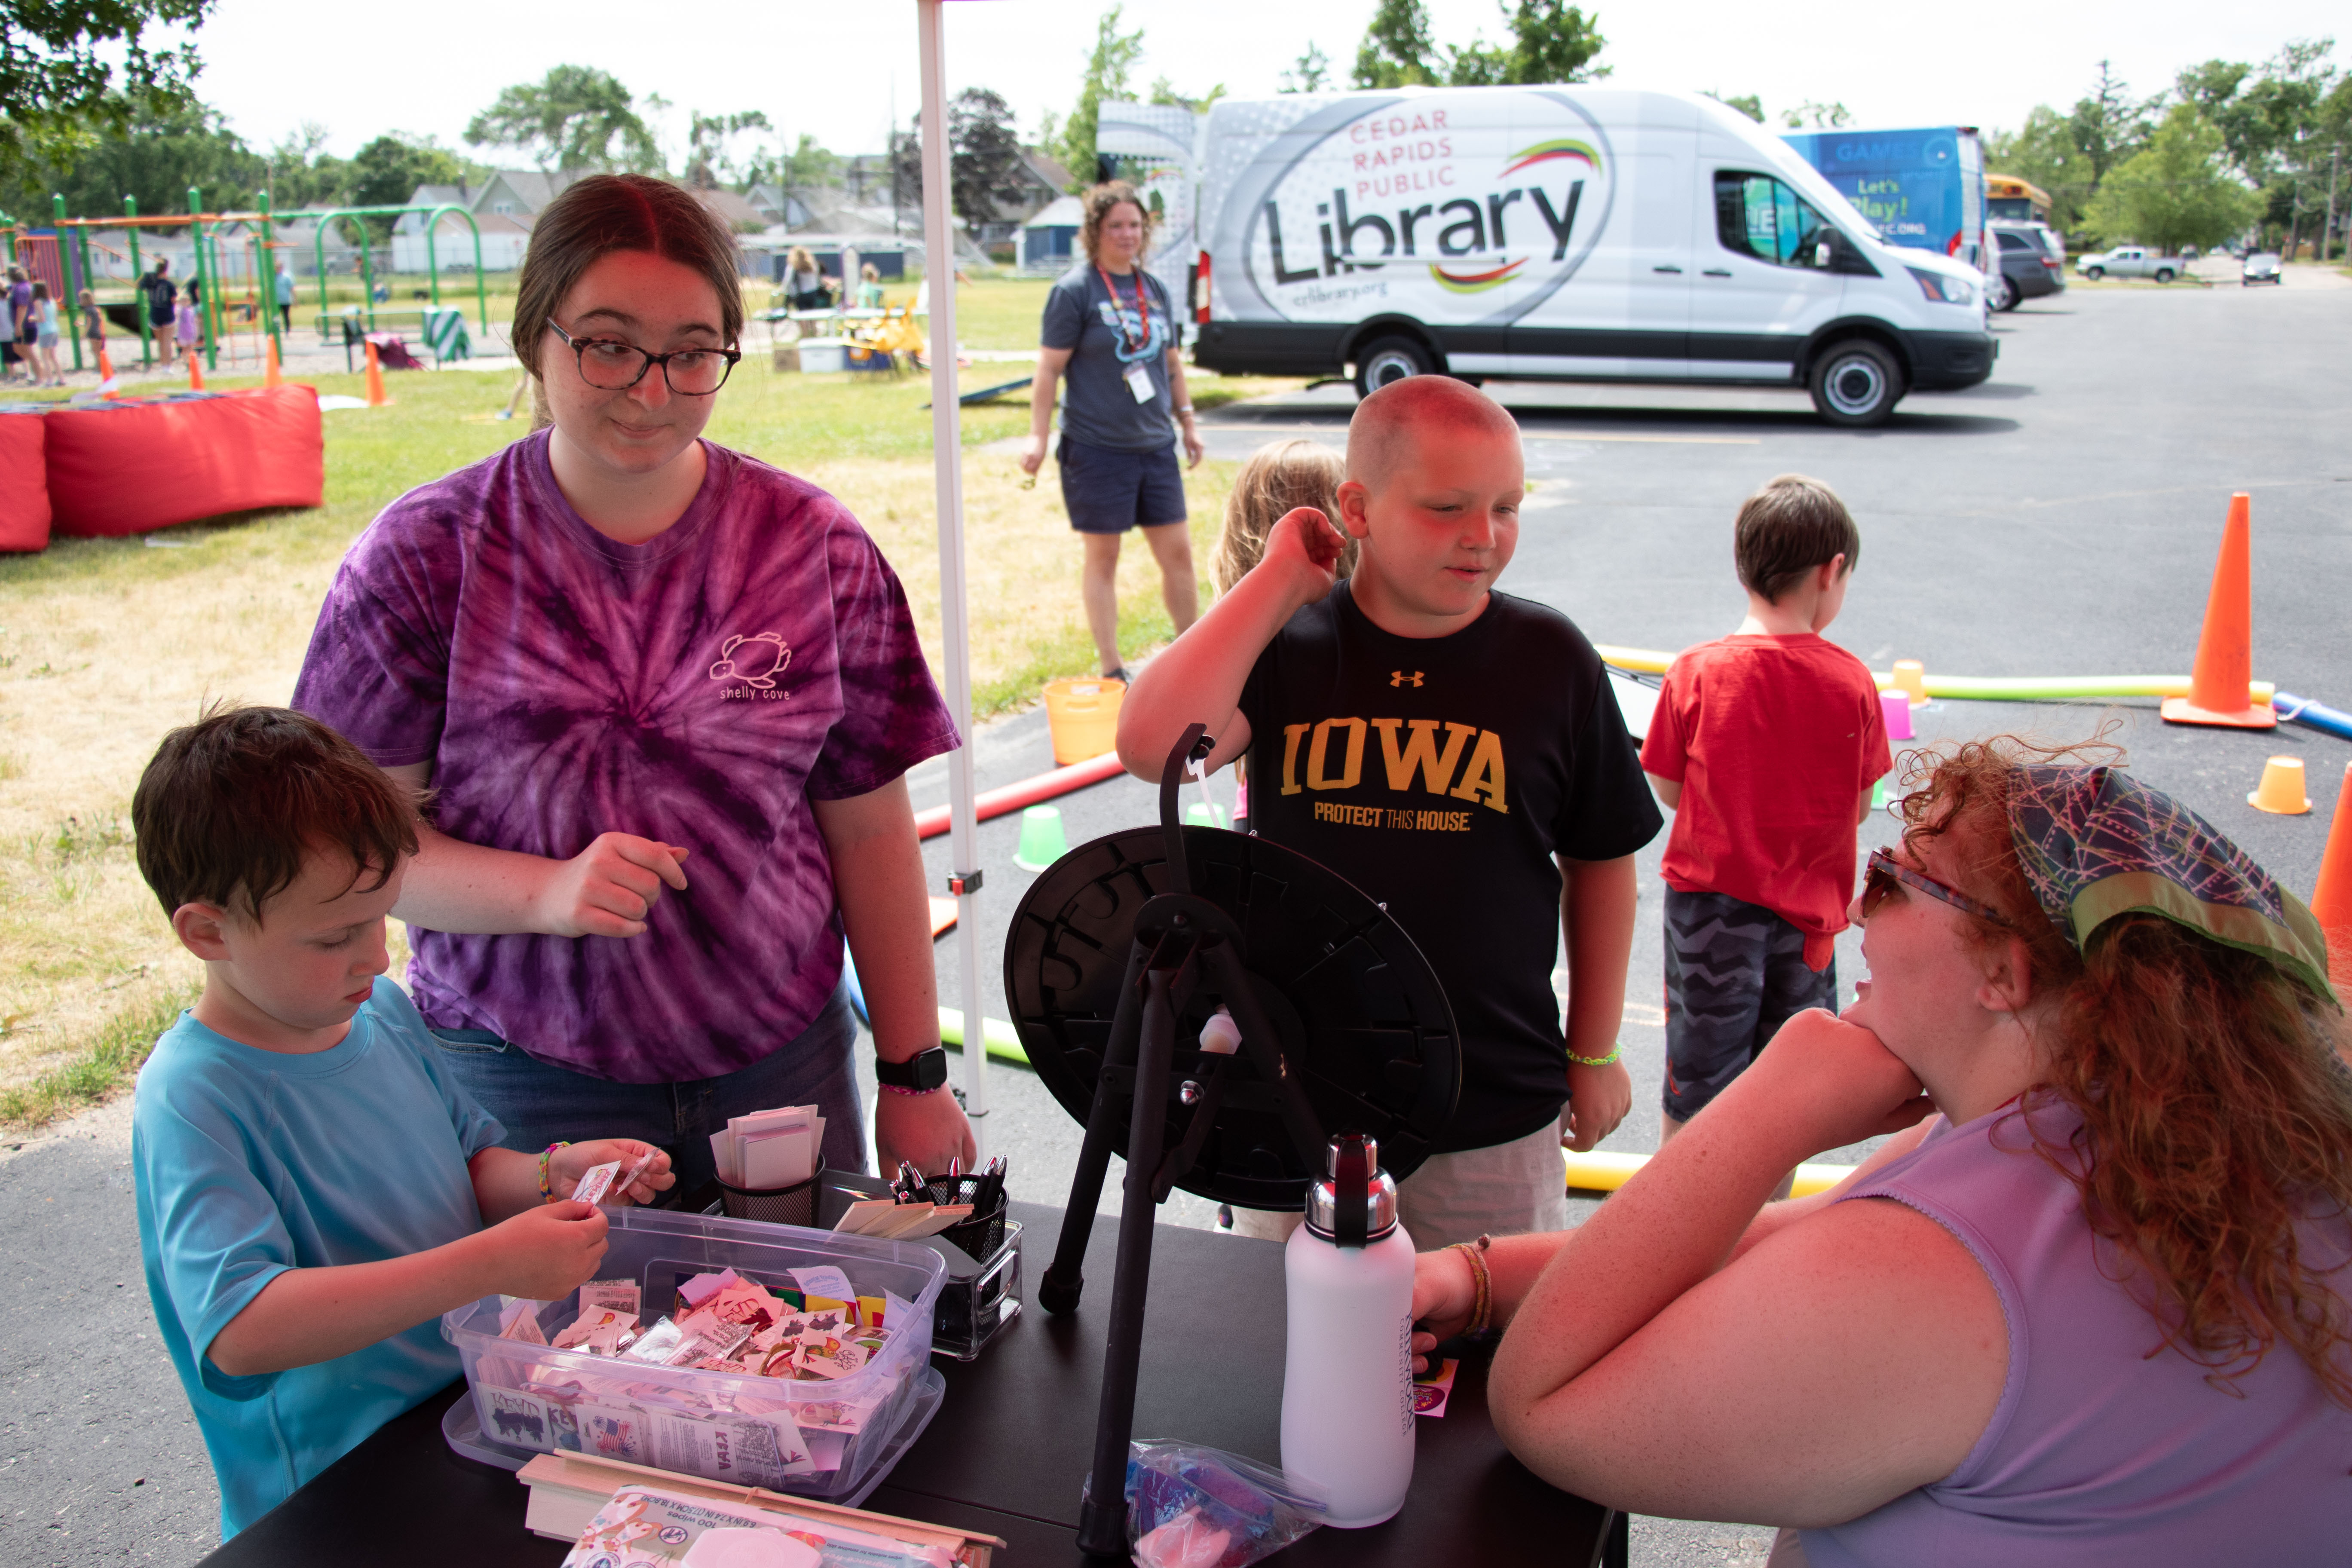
(2060, 519)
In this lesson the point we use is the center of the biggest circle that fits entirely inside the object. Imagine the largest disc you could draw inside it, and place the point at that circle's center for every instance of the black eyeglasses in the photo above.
(610, 365)
(1885, 870)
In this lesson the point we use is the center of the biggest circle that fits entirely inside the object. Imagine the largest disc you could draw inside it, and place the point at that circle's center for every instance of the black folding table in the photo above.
(1007, 1451)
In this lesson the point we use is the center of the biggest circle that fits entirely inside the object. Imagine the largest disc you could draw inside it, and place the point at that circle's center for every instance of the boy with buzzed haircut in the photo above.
(1414, 693)
(1765, 745)
(313, 1188)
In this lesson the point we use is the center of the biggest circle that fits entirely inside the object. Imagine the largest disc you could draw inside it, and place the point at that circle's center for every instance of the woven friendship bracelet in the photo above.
(547, 1194)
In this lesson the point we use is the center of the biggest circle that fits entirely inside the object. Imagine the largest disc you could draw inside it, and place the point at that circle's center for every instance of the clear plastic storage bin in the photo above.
(753, 1431)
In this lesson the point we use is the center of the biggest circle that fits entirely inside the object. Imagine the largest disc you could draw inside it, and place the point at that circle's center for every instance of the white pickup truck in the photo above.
(2132, 261)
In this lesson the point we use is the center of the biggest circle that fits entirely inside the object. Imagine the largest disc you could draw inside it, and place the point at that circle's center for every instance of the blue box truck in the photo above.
(1924, 188)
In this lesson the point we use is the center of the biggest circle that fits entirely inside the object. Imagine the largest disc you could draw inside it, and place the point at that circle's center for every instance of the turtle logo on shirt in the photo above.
(754, 660)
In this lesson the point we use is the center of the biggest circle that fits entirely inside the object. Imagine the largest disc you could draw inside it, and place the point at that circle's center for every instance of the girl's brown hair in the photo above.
(1279, 477)
(1099, 202)
(2216, 1104)
(604, 214)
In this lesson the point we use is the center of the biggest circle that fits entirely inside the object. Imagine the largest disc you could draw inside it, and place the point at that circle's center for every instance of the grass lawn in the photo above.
(105, 644)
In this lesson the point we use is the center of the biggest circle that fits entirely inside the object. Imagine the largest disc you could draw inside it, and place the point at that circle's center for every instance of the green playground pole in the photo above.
(269, 256)
(207, 285)
(137, 290)
(71, 303)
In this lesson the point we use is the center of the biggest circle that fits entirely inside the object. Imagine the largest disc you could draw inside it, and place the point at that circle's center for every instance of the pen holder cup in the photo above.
(979, 1235)
(795, 1205)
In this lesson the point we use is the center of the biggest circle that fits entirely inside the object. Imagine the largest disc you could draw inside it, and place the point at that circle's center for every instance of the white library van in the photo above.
(1562, 234)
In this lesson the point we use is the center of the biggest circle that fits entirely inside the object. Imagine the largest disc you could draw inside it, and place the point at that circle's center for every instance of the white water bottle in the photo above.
(1347, 1383)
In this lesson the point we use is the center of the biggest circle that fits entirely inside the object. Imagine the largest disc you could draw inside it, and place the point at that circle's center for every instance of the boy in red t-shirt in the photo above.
(1765, 745)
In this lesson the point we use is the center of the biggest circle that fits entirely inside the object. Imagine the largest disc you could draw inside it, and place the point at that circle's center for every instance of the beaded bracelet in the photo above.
(1608, 1060)
(547, 1194)
(1482, 1307)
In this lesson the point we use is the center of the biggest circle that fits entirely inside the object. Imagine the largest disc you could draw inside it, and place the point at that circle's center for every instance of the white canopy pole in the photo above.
(947, 459)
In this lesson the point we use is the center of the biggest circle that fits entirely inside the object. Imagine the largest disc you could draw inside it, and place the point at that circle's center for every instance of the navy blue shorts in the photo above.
(1735, 974)
(1106, 490)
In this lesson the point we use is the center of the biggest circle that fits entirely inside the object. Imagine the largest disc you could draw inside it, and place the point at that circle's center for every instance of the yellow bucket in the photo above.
(1083, 717)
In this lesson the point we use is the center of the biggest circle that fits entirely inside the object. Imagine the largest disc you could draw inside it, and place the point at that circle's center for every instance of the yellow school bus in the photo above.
(2015, 200)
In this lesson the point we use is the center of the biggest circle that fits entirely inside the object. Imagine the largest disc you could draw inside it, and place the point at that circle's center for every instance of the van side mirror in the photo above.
(1823, 254)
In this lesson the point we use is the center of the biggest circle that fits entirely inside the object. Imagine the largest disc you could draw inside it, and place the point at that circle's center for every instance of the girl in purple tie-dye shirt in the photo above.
(617, 651)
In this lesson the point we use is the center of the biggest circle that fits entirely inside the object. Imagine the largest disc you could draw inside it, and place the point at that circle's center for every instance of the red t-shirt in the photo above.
(1773, 741)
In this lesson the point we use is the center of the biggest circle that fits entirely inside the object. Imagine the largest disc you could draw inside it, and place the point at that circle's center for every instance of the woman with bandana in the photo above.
(2089, 1304)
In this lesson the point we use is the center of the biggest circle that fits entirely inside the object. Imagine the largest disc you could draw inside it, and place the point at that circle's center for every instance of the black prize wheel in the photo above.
(1353, 999)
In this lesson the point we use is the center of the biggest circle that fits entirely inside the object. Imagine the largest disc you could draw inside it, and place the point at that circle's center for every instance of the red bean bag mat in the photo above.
(24, 484)
(137, 465)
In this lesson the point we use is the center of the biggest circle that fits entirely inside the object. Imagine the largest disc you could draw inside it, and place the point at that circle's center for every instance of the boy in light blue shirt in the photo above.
(313, 1190)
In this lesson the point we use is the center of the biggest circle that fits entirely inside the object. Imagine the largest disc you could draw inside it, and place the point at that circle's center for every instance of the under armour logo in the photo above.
(1399, 677)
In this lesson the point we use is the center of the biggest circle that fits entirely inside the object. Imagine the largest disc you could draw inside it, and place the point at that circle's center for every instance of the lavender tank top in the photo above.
(2100, 1451)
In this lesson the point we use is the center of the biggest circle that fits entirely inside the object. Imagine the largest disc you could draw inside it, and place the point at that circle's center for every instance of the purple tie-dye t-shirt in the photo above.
(700, 688)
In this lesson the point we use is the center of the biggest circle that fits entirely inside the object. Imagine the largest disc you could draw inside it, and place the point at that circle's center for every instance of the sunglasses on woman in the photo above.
(1885, 870)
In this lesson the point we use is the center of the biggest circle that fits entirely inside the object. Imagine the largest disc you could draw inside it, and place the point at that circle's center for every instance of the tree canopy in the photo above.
(1551, 41)
(574, 121)
(2174, 191)
(2269, 129)
(72, 74)
(1108, 69)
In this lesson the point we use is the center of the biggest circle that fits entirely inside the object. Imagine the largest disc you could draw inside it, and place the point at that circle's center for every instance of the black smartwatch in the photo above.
(923, 1071)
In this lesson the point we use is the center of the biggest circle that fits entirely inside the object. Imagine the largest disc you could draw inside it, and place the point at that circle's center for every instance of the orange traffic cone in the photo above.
(269, 376)
(195, 372)
(2331, 901)
(106, 381)
(2225, 656)
(375, 397)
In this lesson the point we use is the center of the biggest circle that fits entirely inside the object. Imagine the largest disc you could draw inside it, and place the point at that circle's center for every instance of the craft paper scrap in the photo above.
(609, 1296)
(825, 1280)
(596, 1182)
(1433, 1388)
(518, 1320)
(644, 1525)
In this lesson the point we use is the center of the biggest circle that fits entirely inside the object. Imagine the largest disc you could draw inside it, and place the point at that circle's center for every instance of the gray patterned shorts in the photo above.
(1735, 974)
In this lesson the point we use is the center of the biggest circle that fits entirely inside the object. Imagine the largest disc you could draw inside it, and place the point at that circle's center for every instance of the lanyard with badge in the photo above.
(1139, 377)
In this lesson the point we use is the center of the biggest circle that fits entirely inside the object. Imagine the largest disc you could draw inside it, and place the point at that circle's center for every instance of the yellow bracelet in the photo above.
(1608, 1060)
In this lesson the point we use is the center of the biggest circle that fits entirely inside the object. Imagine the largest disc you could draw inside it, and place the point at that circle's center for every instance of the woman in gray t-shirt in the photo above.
(1110, 327)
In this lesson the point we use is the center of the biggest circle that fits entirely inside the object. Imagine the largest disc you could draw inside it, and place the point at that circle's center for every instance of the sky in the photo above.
(838, 73)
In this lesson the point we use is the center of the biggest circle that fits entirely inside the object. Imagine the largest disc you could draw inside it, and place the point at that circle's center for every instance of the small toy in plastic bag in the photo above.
(1190, 1507)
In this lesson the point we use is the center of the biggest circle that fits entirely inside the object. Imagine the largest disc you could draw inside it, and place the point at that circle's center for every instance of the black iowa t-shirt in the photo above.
(1441, 776)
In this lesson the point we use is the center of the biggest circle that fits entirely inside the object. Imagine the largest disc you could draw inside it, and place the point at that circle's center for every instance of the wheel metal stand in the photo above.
(1246, 1127)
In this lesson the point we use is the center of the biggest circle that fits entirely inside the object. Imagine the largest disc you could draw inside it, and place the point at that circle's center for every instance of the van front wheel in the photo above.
(1856, 383)
(1385, 360)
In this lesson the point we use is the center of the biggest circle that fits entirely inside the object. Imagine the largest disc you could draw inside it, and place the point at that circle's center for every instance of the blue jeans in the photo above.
(539, 1104)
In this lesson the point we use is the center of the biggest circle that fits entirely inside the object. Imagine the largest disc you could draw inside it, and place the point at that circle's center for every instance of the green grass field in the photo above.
(105, 644)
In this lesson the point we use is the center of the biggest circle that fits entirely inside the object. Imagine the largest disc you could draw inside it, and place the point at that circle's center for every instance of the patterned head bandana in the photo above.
(2095, 843)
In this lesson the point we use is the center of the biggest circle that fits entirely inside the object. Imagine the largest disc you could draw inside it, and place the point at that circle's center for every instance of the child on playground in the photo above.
(187, 328)
(93, 324)
(1457, 754)
(45, 369)
(1765, 745)
(313, 1189)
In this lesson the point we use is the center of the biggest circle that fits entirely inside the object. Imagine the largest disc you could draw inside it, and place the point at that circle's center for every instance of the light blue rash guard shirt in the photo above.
(250, 1162)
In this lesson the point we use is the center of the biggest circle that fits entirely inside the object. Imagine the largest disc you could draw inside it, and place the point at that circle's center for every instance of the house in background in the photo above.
(777, 207)
(1042, 183)
(504, 239)
(1049, 240)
